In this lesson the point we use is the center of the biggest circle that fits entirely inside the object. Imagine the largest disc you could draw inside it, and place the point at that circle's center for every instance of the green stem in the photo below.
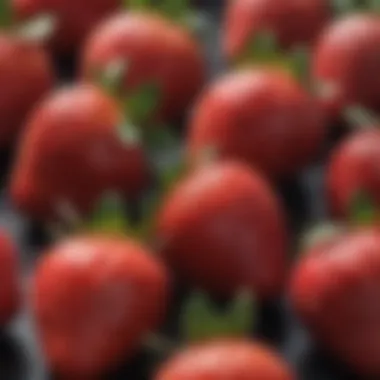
(6, 14)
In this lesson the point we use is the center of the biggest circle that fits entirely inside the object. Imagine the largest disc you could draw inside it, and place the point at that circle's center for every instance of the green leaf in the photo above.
(112, 77)
(143, 102)
(109, 215)
(38, 29)
(138, 4)
(175, 9)
(345, 6)
(6, 13)
(160, 138)
(300, 63)
(129, 134)
(201, 321)
(373, 5)
(360, 117)
(362, 209)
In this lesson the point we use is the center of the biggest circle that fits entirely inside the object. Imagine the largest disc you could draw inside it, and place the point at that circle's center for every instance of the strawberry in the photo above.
(94, 298)
(225, 359)
(157, 52)
(261, 116)
(71, 154)
(335, 292)
(75, 19)
(222, 228)
(345, 63)
(354, 169)
(292, 22)
(26, 76)
(10, 287)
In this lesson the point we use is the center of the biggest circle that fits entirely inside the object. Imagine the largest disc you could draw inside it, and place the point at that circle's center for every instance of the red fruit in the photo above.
(10, 287)
(71, 154)
(156, 51)
(293, 22)
(335, 291)
(222, 229)
(260, 116)
(220, 360)
(346, 62)
(75, 19)
(25, 77)
(354, 168)
(94, 299)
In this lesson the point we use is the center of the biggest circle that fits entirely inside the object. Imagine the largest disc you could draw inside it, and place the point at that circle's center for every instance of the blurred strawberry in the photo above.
(222, 228)
(75, 19)
(157, 51)
(292, 22)
(94, 299)
(260, 116)
(72, 152)
(335, 292)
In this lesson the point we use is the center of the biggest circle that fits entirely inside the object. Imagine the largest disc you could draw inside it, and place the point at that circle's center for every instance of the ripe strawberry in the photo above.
(71, 154)
(353, 169)
(156, 50)
(25, 77)
(335, 292)
(346, 61)
(292, 22)
(94, 298)
(260, 116)
(222, 229)
(75, 19)
(230, 359)
(10, 287)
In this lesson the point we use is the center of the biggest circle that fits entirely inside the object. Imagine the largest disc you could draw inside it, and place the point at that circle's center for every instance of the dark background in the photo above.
(19, 352)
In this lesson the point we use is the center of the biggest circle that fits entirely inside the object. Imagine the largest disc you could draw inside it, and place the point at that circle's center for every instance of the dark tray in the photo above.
(20, 358)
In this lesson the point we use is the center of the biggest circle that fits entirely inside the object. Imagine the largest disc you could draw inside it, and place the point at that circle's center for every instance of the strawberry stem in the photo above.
(6, 14)
(201, 321)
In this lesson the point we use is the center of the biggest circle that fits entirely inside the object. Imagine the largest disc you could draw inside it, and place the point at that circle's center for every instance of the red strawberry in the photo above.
(222, 229)
(25, 77)
(260, 116)
(71, 153)
(75, 18)
(335, 290)
(354, 168)
(346, 62)
(219, 360)
(94, 298)
(293, 22)
(156, 50)
(9, 289)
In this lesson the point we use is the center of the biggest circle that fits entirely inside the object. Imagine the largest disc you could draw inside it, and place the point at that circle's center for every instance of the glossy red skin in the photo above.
(10, 292)
(76, 19)
(220, 360)
(354, 167)
(94, 298)
(26, 76)
(293, 22)
(222, 229)
(335, 292)
(71, 153)
(346, 59)
(260, 116)
(157, 51)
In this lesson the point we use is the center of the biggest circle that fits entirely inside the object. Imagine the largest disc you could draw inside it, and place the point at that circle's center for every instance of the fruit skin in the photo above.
(219, 360)
(222, 229)
(71, 154)
(94, 298)
(353, 168)
(10, 292)
(293, 22)
(260, 116)
(157, 51)
(335, 292)
(345, 63)
(76, 19)
(26, 76)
